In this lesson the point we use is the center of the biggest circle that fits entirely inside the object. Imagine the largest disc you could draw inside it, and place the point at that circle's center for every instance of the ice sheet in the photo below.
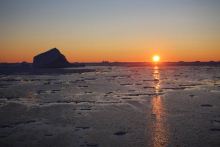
(111, 106)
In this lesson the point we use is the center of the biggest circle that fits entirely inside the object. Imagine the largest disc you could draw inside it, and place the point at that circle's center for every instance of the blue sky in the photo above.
(123, 25)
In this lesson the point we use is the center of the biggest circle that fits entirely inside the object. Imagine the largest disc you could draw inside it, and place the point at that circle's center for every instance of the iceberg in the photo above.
(51, 59)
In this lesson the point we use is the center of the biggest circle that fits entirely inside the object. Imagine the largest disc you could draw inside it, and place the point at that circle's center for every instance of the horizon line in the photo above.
(211, 61)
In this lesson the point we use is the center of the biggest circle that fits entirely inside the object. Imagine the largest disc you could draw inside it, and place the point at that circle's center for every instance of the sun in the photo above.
(156, 58)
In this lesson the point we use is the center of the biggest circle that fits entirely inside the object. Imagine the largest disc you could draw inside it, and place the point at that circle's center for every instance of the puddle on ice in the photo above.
(112, 106)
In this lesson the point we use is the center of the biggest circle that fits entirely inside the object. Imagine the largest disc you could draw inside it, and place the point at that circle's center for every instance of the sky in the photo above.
(111, 30)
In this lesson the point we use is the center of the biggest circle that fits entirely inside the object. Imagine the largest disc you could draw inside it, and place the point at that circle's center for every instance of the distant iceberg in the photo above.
(51, 59)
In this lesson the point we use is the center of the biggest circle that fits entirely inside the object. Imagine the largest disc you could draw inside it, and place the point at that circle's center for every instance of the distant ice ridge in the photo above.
(51, 59)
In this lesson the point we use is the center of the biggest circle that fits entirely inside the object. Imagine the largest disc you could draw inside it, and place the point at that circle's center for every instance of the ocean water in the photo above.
(112, 107)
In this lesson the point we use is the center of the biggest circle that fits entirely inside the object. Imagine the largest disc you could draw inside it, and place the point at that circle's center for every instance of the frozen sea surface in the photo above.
(111, 107)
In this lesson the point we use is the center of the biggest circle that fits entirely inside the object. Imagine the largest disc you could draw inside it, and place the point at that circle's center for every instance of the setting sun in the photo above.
(156, 58)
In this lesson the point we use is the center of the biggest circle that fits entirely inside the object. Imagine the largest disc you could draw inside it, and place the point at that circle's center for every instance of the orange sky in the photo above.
(111, 31)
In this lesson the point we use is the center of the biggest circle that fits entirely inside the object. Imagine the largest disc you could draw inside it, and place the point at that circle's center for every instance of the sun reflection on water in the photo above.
(156, 79)
(158, 126)
(159, 130)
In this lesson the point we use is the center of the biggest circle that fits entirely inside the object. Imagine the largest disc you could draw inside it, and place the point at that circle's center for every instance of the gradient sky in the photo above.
(112, 30)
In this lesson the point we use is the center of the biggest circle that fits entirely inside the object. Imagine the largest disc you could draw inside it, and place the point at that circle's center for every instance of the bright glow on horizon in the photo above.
(156, 58)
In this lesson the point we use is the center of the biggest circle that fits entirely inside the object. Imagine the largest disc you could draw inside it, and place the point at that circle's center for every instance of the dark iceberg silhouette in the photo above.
(51, 59)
